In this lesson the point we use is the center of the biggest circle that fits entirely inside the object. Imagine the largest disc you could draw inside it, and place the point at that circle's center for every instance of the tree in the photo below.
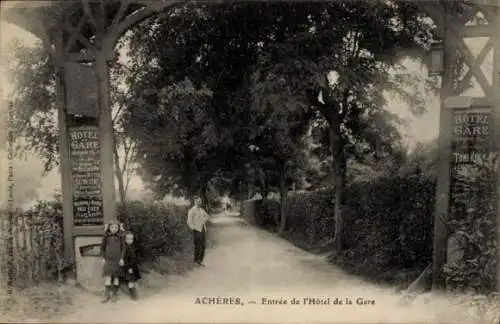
(32, 73)
(176, 141)
(122, 77)
(193, 41)
(360, 43)
(284, 120)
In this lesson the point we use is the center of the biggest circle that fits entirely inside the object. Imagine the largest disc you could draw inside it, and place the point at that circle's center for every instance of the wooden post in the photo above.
(106, 137)
(443, 179)
(9, 244)
(65, 168)
(496, 112)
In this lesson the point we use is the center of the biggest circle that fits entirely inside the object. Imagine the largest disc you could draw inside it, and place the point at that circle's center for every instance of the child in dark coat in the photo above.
(131, 268)
(112, 252)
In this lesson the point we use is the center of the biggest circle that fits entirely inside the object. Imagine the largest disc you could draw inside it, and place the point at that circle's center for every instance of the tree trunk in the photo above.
(119, 174)
(241, 188)
(339, 175)
(262, 181)
(203, 193)
(283, 199)
(250, 191)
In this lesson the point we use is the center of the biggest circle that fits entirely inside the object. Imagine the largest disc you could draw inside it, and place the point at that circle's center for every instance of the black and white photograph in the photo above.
(250, 161)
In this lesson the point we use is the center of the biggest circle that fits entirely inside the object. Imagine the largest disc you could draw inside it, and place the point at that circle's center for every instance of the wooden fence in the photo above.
(37, 244)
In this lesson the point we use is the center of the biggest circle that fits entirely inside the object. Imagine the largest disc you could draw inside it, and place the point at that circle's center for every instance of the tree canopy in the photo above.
(251, 74)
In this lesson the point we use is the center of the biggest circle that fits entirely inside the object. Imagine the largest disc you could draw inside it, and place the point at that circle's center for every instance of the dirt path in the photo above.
(251, 264)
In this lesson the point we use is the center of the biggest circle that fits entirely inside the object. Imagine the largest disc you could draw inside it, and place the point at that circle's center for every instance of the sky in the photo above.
(419, 128)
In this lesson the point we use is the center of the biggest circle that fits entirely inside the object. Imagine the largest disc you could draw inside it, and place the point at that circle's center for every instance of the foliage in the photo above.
(125, 148)
(270, 75)
(479, 308)
(477, 226)
(194, 40)
(317, 227)
(38, 243)
(160, 230)
(281, 122)
(261, 212)
(366, 49)
(27, 180)
(423, 158)
(388, 224)
(32, 73)
(177, 144)
(340, 60)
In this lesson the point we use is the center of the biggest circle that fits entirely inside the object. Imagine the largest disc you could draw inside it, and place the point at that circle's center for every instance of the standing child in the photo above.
(112, 252)
(131, 268)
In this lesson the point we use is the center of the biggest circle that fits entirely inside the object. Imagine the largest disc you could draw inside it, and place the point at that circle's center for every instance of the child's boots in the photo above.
(133, 293)
(107, 294)
(114, 296)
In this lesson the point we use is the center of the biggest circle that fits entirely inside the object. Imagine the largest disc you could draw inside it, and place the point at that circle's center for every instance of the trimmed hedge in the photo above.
(261, 212)
(160, 230)
(388, 224)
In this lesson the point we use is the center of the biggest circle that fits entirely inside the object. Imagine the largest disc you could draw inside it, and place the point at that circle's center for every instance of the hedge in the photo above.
(160, 230)
(261, 212)
(388, 224)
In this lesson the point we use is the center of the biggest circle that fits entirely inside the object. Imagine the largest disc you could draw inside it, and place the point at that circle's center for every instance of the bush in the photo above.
(261, 212)
(388, 223)
(310, 217)
(476, 224)
(479, 309)
(37, 244)
(38, 237)
(160, 230)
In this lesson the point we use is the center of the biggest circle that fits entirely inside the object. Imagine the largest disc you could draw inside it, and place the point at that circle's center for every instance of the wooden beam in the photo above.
(106, 137)
(103, 19)
(496, 104)
(474, 66)
(478, 73)
(118, 30)
(124, 4)
(88, 230)
(74, 32)
(89, 13)
(477, 31)
(66, 181)
(442, 200)
(481, 103)
(150, 9)
(81, 57)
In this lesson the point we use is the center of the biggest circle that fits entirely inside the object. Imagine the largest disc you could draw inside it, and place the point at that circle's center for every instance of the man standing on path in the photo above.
(197, 219)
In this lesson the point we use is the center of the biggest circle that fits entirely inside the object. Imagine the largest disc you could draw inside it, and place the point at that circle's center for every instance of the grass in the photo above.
(49, 301)
(41, 302)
